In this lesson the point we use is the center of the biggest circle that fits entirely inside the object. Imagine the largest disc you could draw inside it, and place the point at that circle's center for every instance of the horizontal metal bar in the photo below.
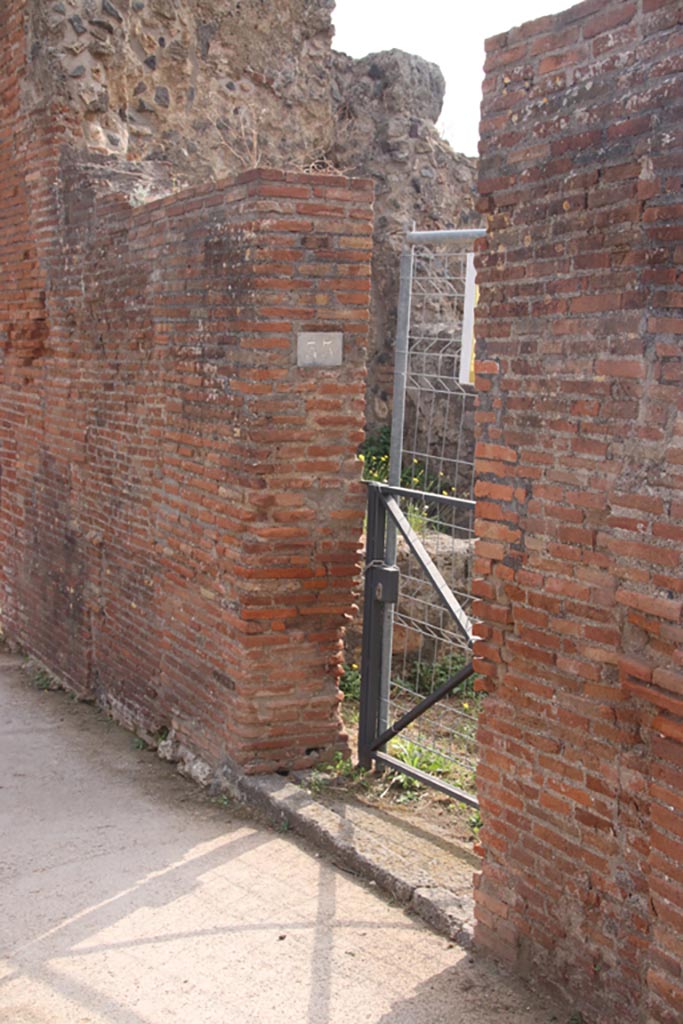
(427, 780)
(454, 235)
(431, 571)
(425, 496)
(433, 698)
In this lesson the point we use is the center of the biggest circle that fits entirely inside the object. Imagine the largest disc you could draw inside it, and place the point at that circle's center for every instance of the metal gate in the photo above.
(416, 669)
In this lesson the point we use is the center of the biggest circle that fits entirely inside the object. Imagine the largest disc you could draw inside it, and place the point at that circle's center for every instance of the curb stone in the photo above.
(350, 847)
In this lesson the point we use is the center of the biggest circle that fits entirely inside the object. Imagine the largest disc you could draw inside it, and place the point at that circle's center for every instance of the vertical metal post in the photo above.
(401, 366)
(401, 349)
(373, 615)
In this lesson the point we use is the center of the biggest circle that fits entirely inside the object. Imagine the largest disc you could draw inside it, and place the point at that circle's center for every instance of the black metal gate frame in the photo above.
(381, 591)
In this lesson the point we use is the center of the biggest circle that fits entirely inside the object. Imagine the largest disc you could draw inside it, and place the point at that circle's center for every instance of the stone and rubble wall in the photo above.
(580, 513)
(193, 91)
(180, 508)
(203, 89)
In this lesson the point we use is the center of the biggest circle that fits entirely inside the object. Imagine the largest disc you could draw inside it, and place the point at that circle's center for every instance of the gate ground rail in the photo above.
(381, 593)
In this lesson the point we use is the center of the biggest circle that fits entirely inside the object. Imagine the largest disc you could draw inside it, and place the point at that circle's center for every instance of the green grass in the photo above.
(424, 676)
(349, 683)
(419, 757)
(414, 755)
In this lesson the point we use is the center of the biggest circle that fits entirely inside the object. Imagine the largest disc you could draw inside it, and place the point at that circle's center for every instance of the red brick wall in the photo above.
(180, 506)
(26, 145)
(580, 481)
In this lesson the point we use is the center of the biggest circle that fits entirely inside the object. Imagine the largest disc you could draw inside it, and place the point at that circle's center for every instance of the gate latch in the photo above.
(386, 583)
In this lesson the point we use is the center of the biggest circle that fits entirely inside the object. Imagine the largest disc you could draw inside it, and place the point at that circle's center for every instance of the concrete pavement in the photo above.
(128, 896)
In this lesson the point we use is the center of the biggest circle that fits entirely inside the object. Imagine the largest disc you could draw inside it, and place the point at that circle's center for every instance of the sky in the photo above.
(450, 33)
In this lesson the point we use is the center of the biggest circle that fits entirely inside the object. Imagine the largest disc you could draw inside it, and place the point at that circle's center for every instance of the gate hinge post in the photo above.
(373, 615)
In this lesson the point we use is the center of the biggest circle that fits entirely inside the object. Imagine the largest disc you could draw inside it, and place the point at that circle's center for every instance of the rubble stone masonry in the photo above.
(180, 505)
(580, 514)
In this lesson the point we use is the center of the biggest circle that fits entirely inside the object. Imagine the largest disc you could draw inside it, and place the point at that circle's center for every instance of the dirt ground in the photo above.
(130, 896)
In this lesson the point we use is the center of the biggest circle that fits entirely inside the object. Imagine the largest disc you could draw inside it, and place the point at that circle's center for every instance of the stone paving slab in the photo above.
(128, 896)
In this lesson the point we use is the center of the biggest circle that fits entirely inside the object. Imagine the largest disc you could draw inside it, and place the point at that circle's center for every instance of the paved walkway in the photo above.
(128, 897)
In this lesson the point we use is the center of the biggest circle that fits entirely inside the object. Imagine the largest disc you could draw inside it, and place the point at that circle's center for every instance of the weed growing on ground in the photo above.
(374, 454)
(341, 769)
(344, 768)
(475, 822)
(41, 677)
(42, 680)
(417, 515)
(415, 756)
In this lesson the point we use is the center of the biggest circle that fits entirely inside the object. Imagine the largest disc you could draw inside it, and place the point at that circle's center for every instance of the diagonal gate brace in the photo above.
(430, 568)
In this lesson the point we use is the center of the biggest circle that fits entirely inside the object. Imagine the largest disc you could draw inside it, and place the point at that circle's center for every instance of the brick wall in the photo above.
(26, 144)
(580, 481)
(180, 507)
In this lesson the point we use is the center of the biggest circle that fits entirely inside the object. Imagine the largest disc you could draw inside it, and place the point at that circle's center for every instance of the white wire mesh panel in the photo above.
(437, 461)
(438, 435)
